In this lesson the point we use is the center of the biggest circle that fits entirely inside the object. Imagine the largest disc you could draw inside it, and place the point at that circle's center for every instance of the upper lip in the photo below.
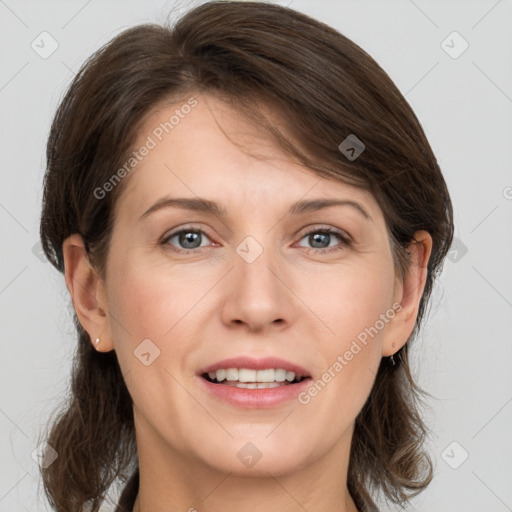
(252, 363)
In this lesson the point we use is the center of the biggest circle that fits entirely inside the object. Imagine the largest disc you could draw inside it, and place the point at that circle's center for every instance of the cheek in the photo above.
(350, 299)
(149, 303)
(350, 302)
(163, 305)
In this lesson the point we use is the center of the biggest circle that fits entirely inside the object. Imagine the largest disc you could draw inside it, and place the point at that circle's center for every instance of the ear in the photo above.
(408, 293)
(87, 292)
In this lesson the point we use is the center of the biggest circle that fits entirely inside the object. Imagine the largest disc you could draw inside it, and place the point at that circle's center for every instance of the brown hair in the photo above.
(324, 88)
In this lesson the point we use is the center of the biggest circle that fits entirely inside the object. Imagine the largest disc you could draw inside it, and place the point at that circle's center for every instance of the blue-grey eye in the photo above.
(322, 239)
(188, 239)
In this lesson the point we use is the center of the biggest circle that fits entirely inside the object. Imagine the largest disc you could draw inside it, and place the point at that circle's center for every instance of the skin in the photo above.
(293, 302)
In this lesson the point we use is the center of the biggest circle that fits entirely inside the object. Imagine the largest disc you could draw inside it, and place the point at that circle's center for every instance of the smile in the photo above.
(254, 383)
(253, 379)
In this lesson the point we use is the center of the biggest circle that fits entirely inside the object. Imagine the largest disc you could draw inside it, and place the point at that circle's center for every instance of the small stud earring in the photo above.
(97, 341)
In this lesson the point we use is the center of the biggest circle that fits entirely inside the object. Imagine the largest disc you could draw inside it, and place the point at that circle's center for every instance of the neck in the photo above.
(230, 494)
(171, 481)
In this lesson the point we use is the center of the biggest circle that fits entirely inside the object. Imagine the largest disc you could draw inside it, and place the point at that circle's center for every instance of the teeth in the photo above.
(263, 385)
(247, 385)
(265, 375)
(245, 375)
(231, 373)
(280, 375)
(254, 385)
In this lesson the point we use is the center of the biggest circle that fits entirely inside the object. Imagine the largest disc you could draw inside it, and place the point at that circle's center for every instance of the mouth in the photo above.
(247, 378)
(254, 383)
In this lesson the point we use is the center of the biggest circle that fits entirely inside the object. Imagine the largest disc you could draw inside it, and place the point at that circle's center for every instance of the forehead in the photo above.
(212, 150)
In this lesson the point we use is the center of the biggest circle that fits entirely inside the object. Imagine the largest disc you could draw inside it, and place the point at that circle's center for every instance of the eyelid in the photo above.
(325, 228)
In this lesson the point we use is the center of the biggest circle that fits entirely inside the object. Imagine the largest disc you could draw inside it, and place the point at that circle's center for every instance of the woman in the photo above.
(250, 220)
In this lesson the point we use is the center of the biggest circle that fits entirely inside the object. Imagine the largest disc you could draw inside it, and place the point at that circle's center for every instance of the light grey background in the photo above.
(464, 355)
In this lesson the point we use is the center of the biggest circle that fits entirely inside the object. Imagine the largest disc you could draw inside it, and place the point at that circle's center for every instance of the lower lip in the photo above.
(255, 398)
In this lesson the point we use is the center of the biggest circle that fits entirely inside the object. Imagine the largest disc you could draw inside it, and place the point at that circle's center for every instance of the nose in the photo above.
(257, 295)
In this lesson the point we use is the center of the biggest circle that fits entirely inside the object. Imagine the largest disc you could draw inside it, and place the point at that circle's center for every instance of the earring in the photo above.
(97, 341)
(392, 359)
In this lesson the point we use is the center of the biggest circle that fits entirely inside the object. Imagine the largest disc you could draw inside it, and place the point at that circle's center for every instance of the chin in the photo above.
(256, 455)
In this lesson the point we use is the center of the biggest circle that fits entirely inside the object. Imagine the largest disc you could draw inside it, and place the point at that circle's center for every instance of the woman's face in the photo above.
(254, 264)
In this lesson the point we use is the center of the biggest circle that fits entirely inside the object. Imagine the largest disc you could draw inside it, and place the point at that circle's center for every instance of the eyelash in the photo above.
(344, 239)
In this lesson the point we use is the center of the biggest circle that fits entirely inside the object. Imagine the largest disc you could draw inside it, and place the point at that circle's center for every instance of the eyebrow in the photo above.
(207, 206)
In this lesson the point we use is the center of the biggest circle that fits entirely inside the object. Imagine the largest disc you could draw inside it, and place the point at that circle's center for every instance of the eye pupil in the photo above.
(190, 239)
(320, 238)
